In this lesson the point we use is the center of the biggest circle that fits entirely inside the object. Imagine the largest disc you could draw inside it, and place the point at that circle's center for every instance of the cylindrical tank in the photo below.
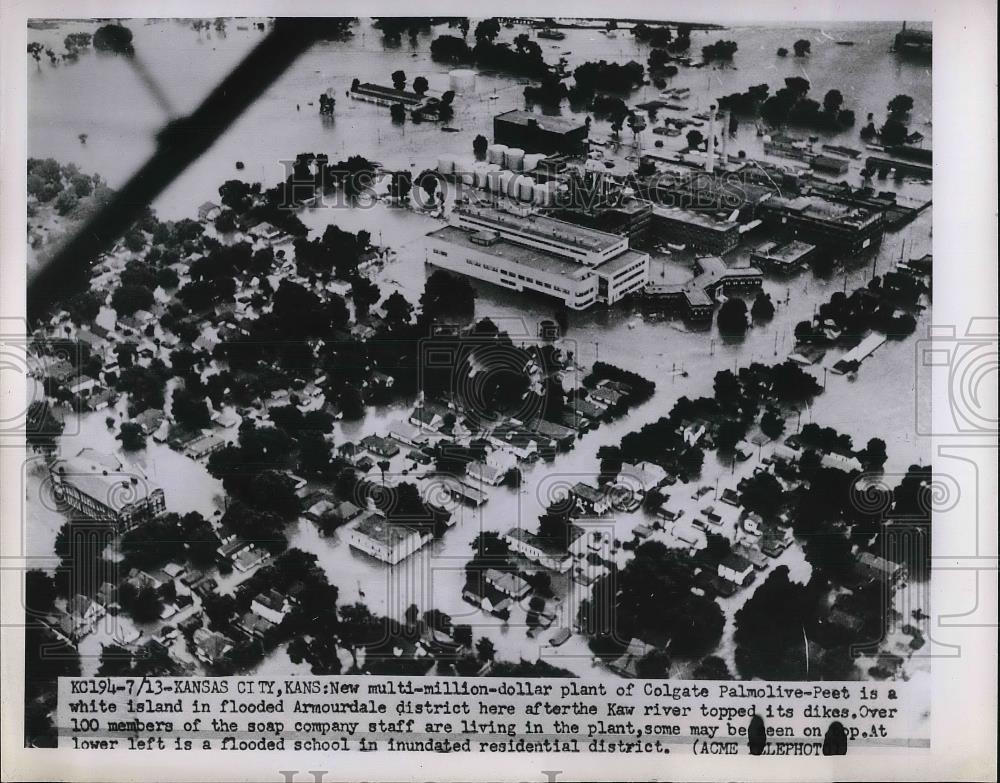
(495, 153)
(479, 171)
(508, 183)
(525, 188)
(446, 164)
(532, 160)
(540, 195)
(462, 80)
(493, 180)
(514, 159)
(463, 167)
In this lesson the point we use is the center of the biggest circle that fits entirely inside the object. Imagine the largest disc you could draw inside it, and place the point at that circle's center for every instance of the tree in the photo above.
(717, 547)
(132, 437)
(399, 80)
(428, 182)
(763, 307)
(398, 113)
(447, 294)
(782, 51)
(732, 318)
(189, 410)
(694, 139)
(127, 299)
(116, 661)
(397, 309)
(66, 201)
(420, 85)
(114, 38)
(772, 424)
(874, 454)
(832, 101)
(712, 668)
(479, 146)
(771, 640)
(463, 635)
(485, 650)
(763, 494)
(893, 132)
(487, 30)
(802, 47)
(654, 665)
(364, 293)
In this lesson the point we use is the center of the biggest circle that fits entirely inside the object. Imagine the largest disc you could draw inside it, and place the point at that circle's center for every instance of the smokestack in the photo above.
(710, 148)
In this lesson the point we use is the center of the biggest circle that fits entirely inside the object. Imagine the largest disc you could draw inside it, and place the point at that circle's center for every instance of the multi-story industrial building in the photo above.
(577, 265)
(837, 227)
(697, 230)
(537, 133)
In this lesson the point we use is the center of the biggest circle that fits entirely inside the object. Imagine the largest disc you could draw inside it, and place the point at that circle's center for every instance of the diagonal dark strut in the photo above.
(179, 144)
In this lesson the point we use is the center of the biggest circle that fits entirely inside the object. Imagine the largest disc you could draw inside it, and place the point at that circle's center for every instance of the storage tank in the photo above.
(463, 167)
(479, 172)
(532, 160)
(540, 195)
(462, 80)
(508, 183)
(493, 180)
(446, 164)
(525, 188)
(495, 153)
(514, 159)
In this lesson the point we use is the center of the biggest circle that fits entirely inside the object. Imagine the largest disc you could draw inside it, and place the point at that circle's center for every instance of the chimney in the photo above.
(723, 157)
(710, 147)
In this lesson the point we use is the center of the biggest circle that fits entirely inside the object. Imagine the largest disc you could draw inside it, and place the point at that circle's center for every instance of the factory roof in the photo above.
(538, 260)
(552, 124)
(545, 228)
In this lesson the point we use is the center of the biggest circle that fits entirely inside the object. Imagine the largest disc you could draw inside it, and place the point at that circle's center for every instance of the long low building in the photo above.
(387, 541)
(579, 266)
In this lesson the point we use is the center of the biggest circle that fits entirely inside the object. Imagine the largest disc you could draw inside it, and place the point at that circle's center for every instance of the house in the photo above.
(591, 499)
(106, 594)
(671, 509)
(753, 553)
(248, 558)
(271, 605)
(82, 386)
(84, 613)
(872, 567)
(149, 420)
(507, 583)
(265, 231)
(429, 416)
(391, 543)
(407, 433)
(209, 211)
(753, 524)
(649, 475)
(204, 446)
(564, 437)
(379, 446)
(484, 473)
(487, 598)
(210, 646)
(627, 664)
(606, 396)
(840, 462)
(736, 569)
(538, 550)
(254, 626)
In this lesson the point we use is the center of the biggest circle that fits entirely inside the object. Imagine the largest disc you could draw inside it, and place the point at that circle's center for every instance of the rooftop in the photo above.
(694, 217)
(538, 260)
(105, 479)
(380, 529)
(545, 227)
(551, 124)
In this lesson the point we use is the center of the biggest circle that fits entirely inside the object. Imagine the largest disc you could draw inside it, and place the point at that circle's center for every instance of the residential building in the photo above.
(384, 96)
(209, 211)
(379, 447)
(507, 583)
(873, 567)
(103, 488)
(538, 550)
(271, 605)
(736, 569)
(591, 499)
(211, 647)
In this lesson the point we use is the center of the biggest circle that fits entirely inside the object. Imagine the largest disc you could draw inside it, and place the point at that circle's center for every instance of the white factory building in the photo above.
(580, 266)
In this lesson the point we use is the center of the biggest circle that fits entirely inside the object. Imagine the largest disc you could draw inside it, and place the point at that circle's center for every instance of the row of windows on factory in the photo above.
(512, 275)
(636, 274)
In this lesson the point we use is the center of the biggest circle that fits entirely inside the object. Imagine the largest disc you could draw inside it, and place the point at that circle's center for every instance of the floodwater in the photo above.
(105, 98)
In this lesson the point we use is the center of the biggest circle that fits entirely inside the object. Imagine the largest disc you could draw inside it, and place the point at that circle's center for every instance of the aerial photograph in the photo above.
(477, 347)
